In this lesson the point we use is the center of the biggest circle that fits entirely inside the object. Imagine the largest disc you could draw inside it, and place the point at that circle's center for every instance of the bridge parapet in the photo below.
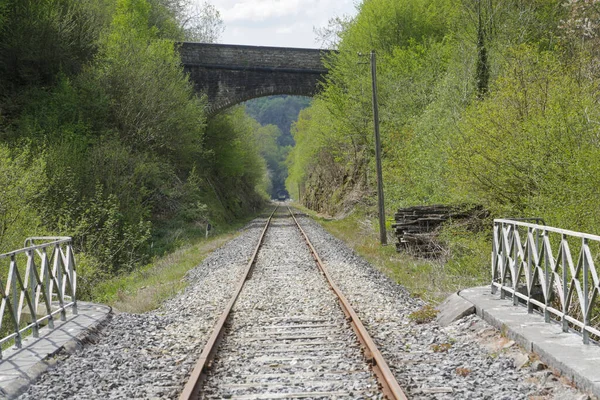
(534, 264)
(41, 282)
(252, 56)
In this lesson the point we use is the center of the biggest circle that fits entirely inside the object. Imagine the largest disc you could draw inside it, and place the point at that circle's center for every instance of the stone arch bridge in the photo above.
(231, 74)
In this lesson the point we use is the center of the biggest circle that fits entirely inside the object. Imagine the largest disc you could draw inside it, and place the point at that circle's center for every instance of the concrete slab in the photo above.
(20, 367)
(453, 308)
(562, 351)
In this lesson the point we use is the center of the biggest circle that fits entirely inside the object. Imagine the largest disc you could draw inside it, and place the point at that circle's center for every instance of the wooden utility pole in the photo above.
(382, 232)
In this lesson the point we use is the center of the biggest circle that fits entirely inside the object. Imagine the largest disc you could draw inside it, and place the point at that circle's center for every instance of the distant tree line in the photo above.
(277, 114)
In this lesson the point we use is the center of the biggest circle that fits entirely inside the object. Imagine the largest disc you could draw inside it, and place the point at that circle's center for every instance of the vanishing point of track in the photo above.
(302, 346)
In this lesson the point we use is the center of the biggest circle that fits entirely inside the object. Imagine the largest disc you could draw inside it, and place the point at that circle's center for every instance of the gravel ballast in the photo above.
(465, 360)
(288, 335)
(150, 355)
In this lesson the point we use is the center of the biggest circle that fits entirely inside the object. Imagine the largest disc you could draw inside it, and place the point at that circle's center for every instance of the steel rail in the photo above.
(390, 387)
(192, 387)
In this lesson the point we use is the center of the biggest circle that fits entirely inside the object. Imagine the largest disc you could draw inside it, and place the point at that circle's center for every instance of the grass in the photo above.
(441, 348)
(146, 288)
(425, 314)
(432, 280)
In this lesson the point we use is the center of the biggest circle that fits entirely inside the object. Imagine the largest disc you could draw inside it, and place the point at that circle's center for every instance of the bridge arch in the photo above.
(232, 74)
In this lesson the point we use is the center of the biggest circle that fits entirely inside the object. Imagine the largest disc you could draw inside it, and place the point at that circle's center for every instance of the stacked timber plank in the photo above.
(417, 228)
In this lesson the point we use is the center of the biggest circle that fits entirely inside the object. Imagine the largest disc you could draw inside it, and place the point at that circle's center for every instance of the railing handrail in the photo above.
(549, 229)
(536, 220)
(34, 238)
(55, 240)
(527, 263)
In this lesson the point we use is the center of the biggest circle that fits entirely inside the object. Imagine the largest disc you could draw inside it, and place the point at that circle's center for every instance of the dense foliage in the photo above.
(481, 102)
(491, 102)
(103, 138)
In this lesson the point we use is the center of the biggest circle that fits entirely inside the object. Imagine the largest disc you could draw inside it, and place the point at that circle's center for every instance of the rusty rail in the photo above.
(390, 387)
(192, 387)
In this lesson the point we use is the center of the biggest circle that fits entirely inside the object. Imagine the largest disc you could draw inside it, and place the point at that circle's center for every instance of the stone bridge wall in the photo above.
(231, 74)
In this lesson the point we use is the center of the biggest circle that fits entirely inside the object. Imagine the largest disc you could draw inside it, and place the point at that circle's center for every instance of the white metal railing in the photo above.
(41, 281)
(525, 266)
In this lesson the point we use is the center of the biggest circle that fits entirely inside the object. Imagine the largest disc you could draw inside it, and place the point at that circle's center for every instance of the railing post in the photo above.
(548, 293)
(586, 306)
(530, 276)
(58, 275)
(494, 255)
(15, 303)
(46, 278)
(515, 269)
(505, 260)
(30, 273)
(72, 276)
(565, 323)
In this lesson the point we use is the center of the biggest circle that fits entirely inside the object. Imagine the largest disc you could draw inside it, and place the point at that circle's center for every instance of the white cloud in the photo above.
(278, 22)
(286, 29)
(261, 10)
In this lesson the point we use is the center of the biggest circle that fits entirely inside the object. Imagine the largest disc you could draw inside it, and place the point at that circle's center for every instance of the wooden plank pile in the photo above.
(417, 228)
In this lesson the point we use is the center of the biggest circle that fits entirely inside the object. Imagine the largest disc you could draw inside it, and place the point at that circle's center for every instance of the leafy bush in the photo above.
(21, 182)
(531, 148)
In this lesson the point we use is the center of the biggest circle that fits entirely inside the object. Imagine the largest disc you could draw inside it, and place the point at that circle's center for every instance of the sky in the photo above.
(286, 23)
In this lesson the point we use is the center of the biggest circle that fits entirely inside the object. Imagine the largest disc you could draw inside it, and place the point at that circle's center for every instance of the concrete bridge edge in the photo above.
(563, 352)
(86, 335)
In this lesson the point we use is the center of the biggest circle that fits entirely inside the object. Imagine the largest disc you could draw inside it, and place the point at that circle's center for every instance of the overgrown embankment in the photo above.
(102, 136)
(487, 103)
(430, 279)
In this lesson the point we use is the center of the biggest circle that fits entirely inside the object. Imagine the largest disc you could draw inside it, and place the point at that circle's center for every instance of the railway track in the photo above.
(288, 331)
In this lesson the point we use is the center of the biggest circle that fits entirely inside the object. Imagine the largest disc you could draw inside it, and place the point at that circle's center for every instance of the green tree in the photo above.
(234, 164)
(21, 183)
(531, 149)
(38, 39)
(276, 114)
(281, 111)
